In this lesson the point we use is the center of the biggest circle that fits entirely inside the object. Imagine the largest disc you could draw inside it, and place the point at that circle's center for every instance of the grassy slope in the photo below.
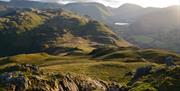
(84, 65)
(106, 70)
(109, 64)
(134, 54)
(27, 30)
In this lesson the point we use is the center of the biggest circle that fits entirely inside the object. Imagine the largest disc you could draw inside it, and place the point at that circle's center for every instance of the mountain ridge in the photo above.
(52, 28)
(52, 49)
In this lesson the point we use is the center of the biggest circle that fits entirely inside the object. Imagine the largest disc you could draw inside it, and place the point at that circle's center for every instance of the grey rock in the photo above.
(142, 71)
(30, 78)
(169, 61)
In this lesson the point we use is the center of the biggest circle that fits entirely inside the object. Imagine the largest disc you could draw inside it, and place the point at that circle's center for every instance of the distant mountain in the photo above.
(129, 12)
(30, 4)
(145, 24)
(158, 29)
(163, 20)
(3, 8)
(32, 30)
(125, 12)
(94, 10)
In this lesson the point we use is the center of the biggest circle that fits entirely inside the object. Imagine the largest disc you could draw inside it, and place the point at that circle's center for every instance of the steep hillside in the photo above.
(129, 12)
(30, 4)
(93, 10)
(105, 69)
(32, 30)
(2, 8)
(157, 29)
(158, 79)
(56, 50)
(125, 13)
(132, 54)
(31, 78)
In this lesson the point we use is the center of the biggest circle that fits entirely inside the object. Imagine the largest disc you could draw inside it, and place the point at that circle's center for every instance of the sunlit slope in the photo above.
(107, 64)
(84, 65)
(134, 54)
(32, 30)
(158, 29)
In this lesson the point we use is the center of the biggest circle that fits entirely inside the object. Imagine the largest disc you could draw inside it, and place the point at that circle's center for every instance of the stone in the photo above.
(15, 79)
(26, 78)
(169, 61)
(142, 71)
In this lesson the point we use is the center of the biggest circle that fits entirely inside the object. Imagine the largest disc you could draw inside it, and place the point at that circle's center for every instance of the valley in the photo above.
(60, 47)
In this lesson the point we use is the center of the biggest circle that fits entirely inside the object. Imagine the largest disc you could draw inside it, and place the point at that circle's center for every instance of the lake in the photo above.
(121, 24)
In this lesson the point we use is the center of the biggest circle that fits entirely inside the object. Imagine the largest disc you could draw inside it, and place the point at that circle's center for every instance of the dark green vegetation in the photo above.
(158, 28)
(149, 27)
(31, 78)
(33, 30)
(161, 79)
(30, 4)
(91, 10)
(132, 54)
(104, 64)
(76, 53)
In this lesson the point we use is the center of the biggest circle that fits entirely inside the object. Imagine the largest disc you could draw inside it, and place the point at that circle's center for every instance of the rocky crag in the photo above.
(31, 78)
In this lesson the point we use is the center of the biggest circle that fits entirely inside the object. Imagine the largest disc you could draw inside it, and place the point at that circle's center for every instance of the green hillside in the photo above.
(30, 4)
(45, 48)
(157, 29)
(112, 65)
(33, 30)
(92, 10)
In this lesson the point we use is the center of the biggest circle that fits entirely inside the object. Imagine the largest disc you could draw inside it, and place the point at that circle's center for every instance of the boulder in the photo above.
(14, 80)
(142, 71)
(169, 61)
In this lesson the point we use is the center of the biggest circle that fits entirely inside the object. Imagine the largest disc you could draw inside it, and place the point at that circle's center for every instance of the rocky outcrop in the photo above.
(160, 78)
(140, 72)
(31, 78)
